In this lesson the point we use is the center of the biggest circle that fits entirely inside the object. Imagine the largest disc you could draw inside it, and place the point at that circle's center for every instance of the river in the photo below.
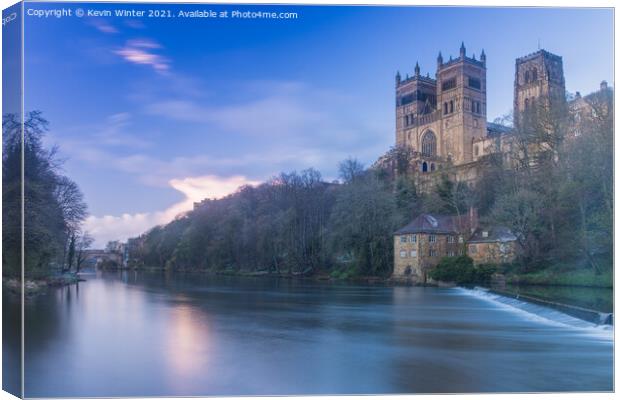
(157, 334)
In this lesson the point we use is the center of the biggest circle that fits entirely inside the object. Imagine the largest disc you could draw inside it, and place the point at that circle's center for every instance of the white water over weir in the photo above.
(557, 314)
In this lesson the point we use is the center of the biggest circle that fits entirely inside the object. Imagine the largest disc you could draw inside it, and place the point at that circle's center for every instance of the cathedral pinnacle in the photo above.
(417, 69)
(439, 59)
(462, 49)
(397, 77)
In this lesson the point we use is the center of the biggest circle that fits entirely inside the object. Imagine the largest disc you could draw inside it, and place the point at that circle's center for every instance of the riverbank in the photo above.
(550, 277)
(36, 286)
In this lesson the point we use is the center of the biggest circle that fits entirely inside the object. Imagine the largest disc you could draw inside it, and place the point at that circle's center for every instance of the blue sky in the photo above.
(154, 113)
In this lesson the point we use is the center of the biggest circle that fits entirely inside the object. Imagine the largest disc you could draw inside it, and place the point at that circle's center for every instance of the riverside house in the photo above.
(421, 244)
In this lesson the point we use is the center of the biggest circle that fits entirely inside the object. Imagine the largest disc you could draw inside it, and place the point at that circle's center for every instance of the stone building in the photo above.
(492, 245)
(442, 120)
(539, 77)
(440, 117)
(420, 245)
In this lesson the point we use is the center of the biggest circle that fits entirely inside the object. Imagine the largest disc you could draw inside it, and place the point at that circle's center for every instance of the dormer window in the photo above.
(485, 234)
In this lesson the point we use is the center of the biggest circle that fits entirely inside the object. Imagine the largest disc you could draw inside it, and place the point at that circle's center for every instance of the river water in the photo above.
(148, 334)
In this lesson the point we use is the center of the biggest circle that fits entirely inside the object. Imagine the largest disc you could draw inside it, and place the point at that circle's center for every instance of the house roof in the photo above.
(494, 234)
(494, 129)
(430, 223)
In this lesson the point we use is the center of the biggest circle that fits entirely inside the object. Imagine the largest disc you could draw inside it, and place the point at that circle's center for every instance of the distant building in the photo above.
(421, 244)
(494, 245)
(442, 119)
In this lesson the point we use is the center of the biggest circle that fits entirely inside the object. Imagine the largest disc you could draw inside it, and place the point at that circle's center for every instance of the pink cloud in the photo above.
(103, 26)
(139, 51)
(122, 227)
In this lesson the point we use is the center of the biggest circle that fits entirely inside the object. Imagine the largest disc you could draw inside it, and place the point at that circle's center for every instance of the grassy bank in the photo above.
(35, 286)
(585, 278)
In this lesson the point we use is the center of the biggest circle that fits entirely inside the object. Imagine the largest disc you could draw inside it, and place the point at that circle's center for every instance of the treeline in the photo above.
(54, 206)
(296, 223)
(551, 185)
(557, 195)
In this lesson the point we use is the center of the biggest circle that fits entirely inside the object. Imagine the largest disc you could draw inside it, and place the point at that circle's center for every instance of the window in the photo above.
(450, 239)
(445, 108)
(451, 253)
(429, 144)
(527, 104)
(432, 167)
(414, 239)
(403, 239)
(534, 74)
(478, 107)
(451, 106)
(448, 84)
(460, 239)
(424, 167)
(474, 83)
(432, 238)
(473, 106)
(414, 253)
(527, 76)
(475, 150)
(473, 249)
(432, 253)
(403, 254)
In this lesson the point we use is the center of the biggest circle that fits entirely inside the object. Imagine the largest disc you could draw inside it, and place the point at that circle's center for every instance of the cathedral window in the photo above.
(451, 106)
(424, 167)
(527, 76)
(534, 74)
(448, 84)
(429, 144)
(445, 108)
(474, 83)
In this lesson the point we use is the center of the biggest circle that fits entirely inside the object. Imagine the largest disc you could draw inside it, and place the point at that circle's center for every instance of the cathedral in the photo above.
(443, 120)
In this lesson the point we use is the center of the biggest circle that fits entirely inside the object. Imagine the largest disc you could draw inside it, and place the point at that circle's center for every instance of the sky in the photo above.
(152, 114)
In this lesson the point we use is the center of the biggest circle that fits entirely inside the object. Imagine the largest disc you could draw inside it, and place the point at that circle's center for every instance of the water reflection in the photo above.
(138, 334)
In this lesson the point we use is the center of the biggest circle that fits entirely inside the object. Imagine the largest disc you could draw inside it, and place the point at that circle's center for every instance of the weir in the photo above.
(593, 316)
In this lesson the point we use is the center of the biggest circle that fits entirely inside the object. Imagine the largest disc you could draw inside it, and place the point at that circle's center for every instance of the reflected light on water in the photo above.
(187, 343)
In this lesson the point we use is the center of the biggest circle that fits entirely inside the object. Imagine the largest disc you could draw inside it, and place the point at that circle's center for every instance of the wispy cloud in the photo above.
(194, 189)
(141, 52)
(103, 26)
(114, 132)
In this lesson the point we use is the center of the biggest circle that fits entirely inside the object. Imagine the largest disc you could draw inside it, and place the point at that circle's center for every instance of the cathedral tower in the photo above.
(539, 77)
(462, 101)
(416, 100)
